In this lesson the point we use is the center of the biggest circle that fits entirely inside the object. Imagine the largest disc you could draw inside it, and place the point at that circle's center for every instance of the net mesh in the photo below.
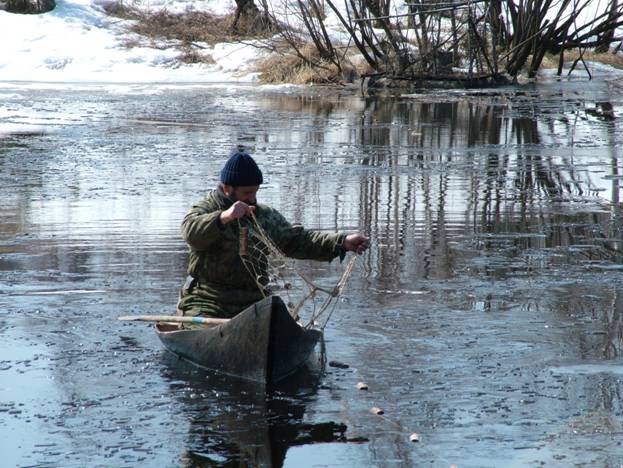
(275, 273)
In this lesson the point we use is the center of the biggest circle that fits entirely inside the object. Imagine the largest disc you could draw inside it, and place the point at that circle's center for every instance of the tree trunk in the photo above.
(30, 6)
(607, 37)
(248, 18)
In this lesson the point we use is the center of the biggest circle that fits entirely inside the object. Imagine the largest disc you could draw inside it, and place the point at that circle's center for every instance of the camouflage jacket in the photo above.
(223, 284)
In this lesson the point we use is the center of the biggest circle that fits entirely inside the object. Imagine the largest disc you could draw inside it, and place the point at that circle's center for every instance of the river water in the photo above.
(486, 317)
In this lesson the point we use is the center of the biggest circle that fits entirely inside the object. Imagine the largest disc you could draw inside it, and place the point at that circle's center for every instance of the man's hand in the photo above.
(236, 211)
(357, 243)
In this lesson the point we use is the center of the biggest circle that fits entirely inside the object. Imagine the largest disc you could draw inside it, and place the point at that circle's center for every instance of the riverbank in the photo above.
(170, 42)
(78, 42)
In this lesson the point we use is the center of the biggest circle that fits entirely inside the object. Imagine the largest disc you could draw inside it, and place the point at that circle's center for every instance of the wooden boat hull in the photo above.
(263, 343)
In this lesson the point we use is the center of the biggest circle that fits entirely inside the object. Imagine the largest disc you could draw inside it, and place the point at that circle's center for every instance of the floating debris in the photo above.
(375, 410)
(362, 386)
(338, 364)
(415, 437)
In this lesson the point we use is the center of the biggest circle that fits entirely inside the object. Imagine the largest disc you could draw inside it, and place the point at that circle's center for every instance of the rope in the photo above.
(268, 265)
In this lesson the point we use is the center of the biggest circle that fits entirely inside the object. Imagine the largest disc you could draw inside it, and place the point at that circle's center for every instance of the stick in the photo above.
(173, 318)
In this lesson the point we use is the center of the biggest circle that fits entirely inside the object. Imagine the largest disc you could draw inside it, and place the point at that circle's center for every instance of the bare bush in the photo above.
(475, 39)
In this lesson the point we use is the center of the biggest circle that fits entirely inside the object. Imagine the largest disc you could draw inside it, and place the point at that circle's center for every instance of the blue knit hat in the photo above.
(240, 170)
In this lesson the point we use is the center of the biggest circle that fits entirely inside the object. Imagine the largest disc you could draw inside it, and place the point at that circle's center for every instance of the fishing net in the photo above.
(277, 274)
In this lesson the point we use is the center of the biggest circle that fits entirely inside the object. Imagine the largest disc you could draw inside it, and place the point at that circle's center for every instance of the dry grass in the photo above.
(284, 65)
(120, 10)
(188, 27)
(606, 58)
(195, 56)
(193, 28)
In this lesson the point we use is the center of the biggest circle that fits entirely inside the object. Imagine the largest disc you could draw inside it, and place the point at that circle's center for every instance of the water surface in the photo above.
(486, 317)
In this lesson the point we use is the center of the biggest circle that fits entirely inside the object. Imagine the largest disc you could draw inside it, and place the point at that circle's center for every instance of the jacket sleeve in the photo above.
(201, 228)
(297, 242)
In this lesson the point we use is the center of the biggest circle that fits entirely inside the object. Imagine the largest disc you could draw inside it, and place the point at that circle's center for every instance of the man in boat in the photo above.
(219, 283)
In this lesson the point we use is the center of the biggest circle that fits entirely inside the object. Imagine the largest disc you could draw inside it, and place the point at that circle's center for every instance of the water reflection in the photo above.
(491, 294)
(483, 175)
(235, 422)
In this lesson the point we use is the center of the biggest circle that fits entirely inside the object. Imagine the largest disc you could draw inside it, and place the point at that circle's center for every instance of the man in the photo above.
(219, 283)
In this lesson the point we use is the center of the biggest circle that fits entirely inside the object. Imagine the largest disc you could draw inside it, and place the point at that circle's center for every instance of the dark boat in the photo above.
(263, 343)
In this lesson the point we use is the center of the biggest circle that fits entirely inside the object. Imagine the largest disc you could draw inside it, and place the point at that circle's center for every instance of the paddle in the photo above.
(174, 318)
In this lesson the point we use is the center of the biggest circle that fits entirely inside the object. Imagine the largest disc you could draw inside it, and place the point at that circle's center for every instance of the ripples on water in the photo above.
(486, 316)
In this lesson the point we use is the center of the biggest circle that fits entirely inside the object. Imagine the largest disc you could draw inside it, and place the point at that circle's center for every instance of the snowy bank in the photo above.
(77, 42)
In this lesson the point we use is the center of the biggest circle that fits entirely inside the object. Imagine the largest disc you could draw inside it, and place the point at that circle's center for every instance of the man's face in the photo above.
(246, 194)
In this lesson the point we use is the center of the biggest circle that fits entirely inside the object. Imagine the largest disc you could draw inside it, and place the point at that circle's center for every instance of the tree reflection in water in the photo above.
(492, 184)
